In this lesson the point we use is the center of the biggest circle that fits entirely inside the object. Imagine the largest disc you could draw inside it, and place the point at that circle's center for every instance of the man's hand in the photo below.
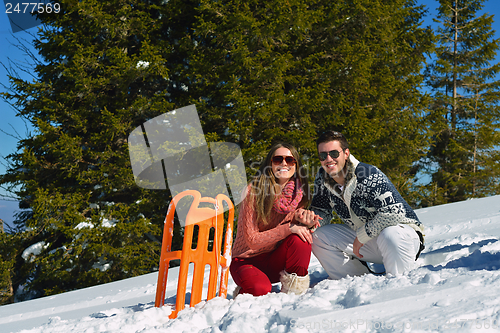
(356, 247)
(307, 218)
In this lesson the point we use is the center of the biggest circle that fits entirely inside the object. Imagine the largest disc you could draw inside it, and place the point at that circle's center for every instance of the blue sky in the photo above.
(15, 126)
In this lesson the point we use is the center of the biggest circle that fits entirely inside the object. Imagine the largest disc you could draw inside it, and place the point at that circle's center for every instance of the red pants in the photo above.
(255, 275)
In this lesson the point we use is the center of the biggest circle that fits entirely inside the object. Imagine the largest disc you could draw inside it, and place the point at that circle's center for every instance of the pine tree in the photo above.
(102, 74)
(465, 117)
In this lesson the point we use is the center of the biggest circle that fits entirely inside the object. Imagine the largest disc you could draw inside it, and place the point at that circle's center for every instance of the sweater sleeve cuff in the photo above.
(284, 227)
(362, 235)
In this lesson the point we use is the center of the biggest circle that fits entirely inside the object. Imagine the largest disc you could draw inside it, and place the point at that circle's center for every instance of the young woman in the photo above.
(271, 246)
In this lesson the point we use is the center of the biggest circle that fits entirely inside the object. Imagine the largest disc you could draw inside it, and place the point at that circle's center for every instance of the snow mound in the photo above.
(455, 288)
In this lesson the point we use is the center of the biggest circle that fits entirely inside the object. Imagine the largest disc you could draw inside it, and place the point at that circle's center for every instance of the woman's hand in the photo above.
(307, 218)
(302, 231)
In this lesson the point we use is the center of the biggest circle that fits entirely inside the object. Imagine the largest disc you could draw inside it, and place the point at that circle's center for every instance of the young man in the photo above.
(378, 225)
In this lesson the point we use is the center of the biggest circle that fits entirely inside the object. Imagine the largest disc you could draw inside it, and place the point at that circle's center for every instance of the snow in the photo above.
(105, 223)
(33, 250)
(454, 288)
(82, 225)
(142, 64)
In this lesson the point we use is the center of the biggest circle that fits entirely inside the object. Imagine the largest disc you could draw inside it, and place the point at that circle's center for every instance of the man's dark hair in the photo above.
(333, 136)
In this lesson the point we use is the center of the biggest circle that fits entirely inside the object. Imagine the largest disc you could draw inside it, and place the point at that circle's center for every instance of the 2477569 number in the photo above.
(32, 7)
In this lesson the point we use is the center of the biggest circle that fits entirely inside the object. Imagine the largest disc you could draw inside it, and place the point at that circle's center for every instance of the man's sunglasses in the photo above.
(279, 159)
(324, 154)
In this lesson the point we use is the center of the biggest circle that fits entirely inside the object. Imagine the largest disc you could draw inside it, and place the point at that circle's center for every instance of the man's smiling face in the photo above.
(333, 166)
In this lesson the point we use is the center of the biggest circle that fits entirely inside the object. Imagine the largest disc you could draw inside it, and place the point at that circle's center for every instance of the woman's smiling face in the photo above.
(283, 171)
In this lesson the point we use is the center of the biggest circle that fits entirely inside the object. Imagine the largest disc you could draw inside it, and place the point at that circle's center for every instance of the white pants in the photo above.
(395, 247)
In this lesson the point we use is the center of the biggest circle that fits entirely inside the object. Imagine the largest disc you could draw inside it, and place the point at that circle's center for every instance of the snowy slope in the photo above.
(456, 288)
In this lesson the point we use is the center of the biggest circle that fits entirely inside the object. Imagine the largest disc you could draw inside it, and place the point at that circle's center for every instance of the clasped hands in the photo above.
(305, 223)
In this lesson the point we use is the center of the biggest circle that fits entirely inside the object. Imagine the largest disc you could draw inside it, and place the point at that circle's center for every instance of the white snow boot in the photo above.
(292, 283)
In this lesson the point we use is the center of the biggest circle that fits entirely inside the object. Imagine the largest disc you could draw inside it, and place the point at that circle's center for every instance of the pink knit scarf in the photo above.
(289, 198)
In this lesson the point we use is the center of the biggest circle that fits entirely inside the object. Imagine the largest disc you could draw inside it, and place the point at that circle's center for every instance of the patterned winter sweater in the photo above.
(254, 237)
(367, 203)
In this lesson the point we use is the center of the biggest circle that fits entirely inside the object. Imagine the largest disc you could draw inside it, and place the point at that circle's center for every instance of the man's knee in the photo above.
(397, 238)
(389, 237)
(323, 246)
(320, 236)
(333, 236)
(399, 246)
(319, 241)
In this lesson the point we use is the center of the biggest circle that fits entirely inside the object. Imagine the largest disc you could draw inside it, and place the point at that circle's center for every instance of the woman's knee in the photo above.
(258, 288)
(294, 241)
(251, 280)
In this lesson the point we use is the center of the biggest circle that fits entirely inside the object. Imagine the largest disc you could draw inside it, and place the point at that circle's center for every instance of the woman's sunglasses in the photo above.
(279, 159)
(333, 154)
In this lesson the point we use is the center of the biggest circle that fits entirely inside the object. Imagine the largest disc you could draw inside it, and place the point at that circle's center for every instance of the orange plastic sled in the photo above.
(206, 219)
